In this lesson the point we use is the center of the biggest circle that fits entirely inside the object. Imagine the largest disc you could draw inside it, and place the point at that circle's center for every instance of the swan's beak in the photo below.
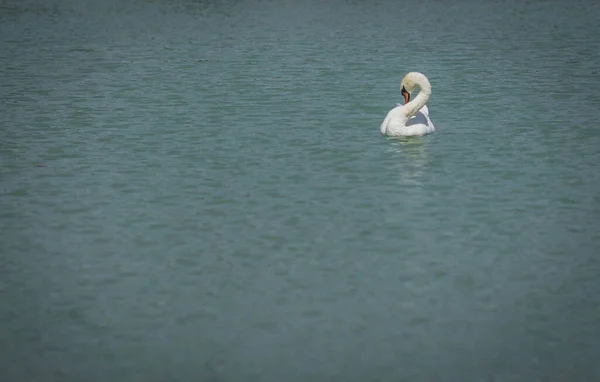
(406, 95)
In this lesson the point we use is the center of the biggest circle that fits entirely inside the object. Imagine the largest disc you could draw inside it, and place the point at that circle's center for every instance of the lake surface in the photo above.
(218, 204)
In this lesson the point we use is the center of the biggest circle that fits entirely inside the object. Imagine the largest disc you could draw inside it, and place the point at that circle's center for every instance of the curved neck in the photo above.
(420, 100)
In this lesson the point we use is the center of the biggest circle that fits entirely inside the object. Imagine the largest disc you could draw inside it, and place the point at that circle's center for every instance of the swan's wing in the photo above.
(418, 119)
(383, 126)
(394, 120)
(420, 123)
(425, 112)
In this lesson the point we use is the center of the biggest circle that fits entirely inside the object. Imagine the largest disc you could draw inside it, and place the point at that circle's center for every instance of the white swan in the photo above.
(412, 118)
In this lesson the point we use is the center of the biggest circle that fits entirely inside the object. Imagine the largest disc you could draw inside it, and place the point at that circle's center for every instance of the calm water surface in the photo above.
(219, 205)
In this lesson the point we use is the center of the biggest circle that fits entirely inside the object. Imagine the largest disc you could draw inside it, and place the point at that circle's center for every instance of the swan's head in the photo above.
(405, 93)
(413, 81)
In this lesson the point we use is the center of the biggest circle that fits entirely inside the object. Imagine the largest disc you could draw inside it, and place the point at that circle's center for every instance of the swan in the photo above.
(412, 118)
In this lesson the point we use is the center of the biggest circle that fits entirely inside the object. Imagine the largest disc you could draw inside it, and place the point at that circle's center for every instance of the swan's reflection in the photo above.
(413, 157)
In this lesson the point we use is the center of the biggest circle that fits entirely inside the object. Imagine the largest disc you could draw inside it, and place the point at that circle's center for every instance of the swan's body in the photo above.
(413, 117)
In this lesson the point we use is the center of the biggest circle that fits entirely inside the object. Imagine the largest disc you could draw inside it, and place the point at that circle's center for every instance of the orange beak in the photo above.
(405, 94)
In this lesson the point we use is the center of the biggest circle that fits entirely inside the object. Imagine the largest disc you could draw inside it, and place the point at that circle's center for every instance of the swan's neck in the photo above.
(421, 99)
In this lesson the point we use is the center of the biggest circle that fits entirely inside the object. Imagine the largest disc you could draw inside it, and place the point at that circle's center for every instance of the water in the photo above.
(219, 205)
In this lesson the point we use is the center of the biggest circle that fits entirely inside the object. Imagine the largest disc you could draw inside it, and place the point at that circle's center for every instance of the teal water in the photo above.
(219, 205)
